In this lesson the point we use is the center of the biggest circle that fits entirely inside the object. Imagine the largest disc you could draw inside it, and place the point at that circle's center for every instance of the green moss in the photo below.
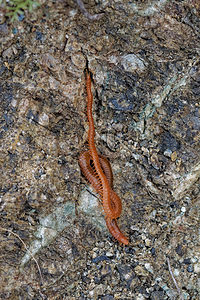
(15, 8)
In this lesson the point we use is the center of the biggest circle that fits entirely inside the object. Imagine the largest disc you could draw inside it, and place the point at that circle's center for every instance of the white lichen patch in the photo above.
(89, 204)
(49, 228)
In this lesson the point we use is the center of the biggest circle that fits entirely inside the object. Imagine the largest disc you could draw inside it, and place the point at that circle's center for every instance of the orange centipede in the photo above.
(98, 172)
(89, 173)
(115, 231)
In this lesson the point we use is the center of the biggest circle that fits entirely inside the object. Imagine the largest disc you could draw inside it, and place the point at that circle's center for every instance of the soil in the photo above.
(144, 57)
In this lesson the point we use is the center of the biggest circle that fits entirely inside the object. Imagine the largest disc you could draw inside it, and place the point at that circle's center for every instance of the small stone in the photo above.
(140, 297)
(194, 260)
(126, 272)
(153, 251)
(100, 258)
(98, 290)
(149, 267)
(187, 261)
(43, 119)
(52, 269)
(14, 103)
(197, 267)
(190, 268)
(176, 272)
(168, 152)
(148, 242)
(109, 254)
(132, 62)
(143, 236)
(106, 269)
(183, 209)
(140, 271)
(179, 250)
(174, 156)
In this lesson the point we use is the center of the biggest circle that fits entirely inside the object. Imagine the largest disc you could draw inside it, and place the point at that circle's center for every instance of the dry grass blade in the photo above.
(10, 231)
(174, 280)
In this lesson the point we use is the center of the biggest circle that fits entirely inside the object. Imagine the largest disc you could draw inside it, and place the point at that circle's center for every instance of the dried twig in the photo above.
(39, 270)
(174, 280)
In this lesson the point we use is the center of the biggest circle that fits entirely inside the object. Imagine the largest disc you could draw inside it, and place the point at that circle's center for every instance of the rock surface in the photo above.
(144, 56)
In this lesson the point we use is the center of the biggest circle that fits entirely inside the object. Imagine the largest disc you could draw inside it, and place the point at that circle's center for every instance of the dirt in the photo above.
(144, 57)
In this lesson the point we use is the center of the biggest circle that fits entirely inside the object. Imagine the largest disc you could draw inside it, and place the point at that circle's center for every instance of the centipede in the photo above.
(98, 172)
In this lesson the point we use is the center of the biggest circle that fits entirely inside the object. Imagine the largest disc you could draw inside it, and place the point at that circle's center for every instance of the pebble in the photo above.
(148, 242)
(109, 254)
(140, 271)
(153, 251)
(98, 259)
(176, 272)
(43, 119)
(187, 261)
(132, 62)
(140, 297)
(183, 209)
(197, 267)
(149, 267)
(190, 268)
(168, 152)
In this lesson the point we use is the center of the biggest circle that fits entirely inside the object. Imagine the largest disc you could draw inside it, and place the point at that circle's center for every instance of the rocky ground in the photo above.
(144, 57)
